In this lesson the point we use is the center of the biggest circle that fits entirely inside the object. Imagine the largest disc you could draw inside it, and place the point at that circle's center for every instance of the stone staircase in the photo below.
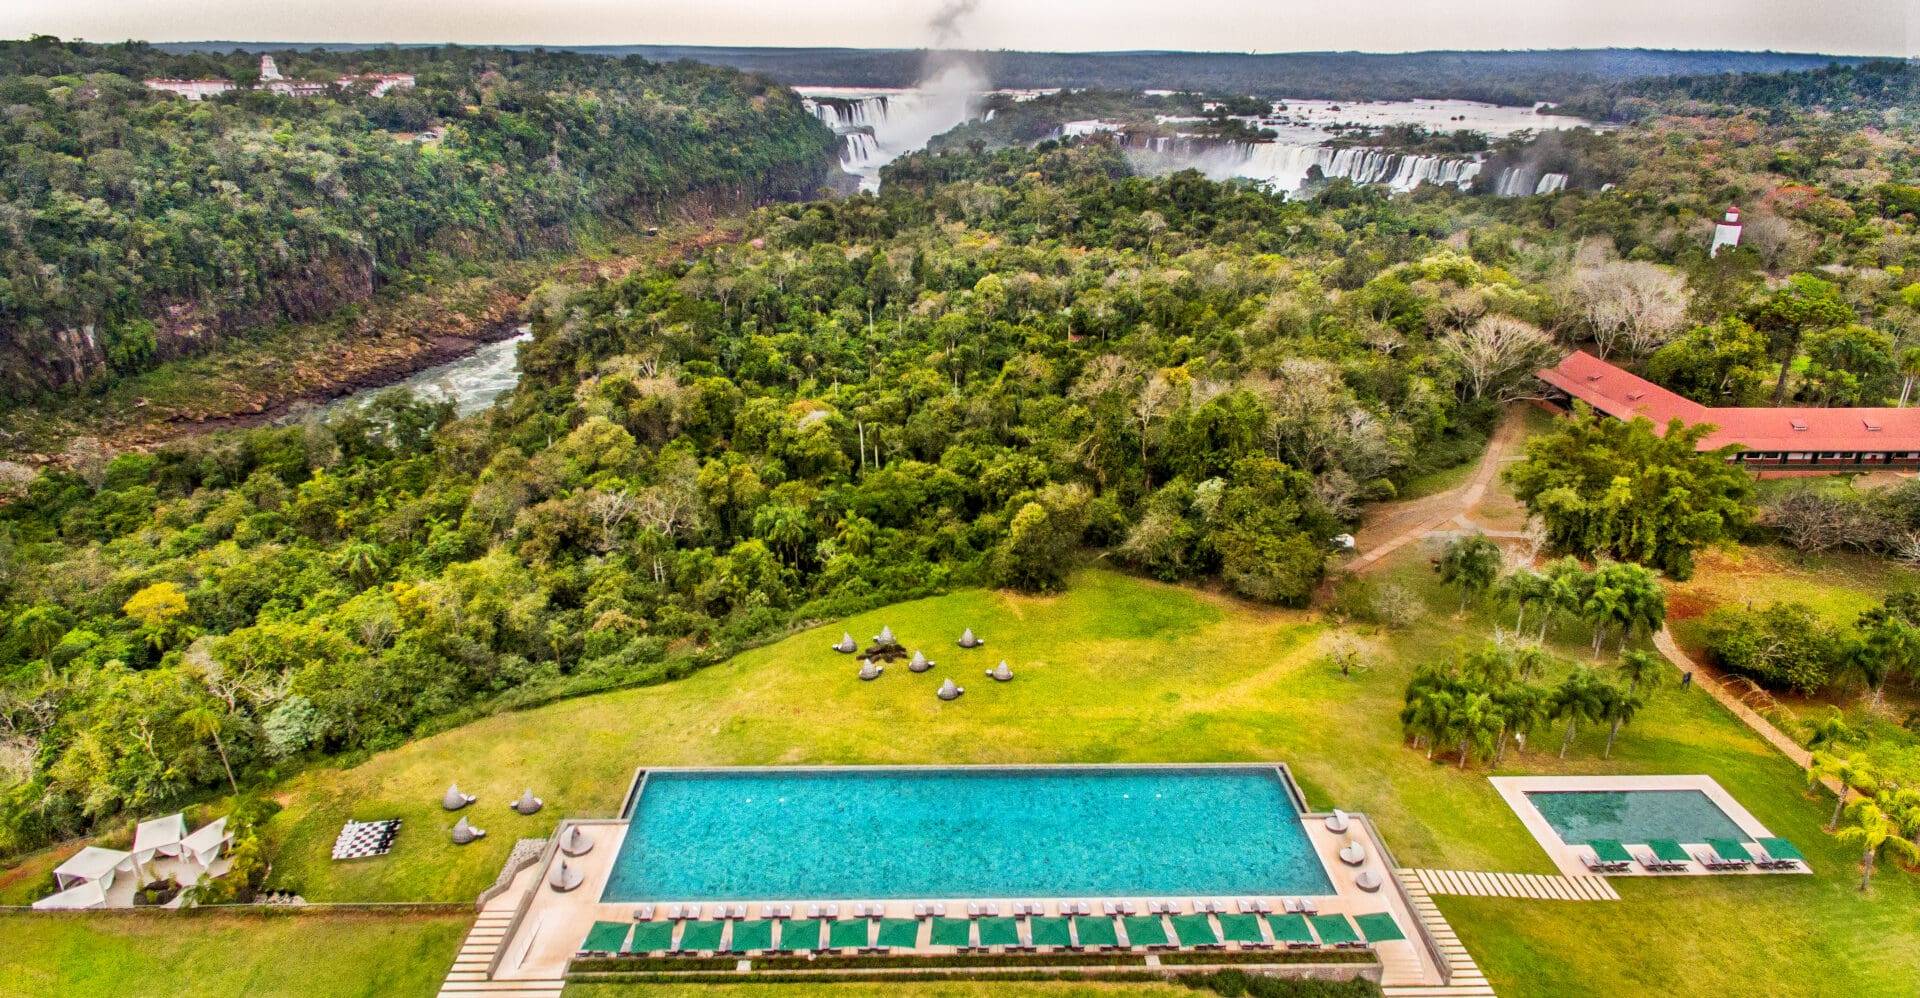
(1537, 887)
(468, 978)
(1466, 980)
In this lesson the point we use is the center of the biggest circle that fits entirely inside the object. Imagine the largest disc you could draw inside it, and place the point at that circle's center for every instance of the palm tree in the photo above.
(1476, 726)
(1830, 729)
(362, 563)
(1523, 709)
(1619, 706)
(1472, 563)
(1874, 830)
(1641, 668)
(1909, 373)
(1523, 589)
(1852, 772)
(1566, 592)
(206, 721)
(1580, 696)
(1887, 645)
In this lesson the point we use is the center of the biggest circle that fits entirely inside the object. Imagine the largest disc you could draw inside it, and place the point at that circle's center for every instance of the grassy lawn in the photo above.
(212, 954)
(1118, 669)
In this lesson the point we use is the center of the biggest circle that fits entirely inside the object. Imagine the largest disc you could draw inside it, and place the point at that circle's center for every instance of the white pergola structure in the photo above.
(159, 837)
(82, 896)
(206, 843)
(92, 865)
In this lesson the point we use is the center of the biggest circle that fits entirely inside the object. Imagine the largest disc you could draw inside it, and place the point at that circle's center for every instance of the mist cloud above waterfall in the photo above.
(946, 21)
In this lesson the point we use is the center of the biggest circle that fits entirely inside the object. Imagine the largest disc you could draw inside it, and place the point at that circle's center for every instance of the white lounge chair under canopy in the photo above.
(948, 691)
(1368, 880)
(1337, 821)
(528, 803)
(1353, 853)
(464, 833)
(454, 800)
(576, 842)
(159, 837)
(1001, 673)
(564, 878)
(92, 865)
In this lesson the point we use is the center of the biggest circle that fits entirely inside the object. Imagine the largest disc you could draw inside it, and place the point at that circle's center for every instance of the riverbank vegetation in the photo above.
(145, 226)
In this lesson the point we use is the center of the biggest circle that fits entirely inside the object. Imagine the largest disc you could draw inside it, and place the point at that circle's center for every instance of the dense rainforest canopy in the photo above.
(139, 224)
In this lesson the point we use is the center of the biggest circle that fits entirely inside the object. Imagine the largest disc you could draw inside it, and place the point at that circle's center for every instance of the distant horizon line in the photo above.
(296, 45)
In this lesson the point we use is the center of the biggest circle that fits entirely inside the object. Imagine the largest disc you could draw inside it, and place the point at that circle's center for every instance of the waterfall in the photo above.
(1285, 167)
(842, 113)
(1520, 181)
(858, 149)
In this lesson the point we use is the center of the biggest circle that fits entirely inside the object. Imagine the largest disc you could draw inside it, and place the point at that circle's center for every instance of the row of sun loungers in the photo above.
(1669, 856)
(1030, 933)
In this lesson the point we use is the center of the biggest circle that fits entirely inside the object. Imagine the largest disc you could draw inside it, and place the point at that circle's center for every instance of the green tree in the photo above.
(1789, 312)
(1581, 696)
(1853, 772)
(1619, 706)
(1471, 562)
(1874, 832)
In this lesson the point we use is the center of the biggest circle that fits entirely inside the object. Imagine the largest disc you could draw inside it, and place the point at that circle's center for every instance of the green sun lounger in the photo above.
(1781, 850)
(1610, 851)
(1292, 930)
(847, 933)
(1379, 927)
(606, 937)
(650, 937)
(1096, 930)
(1669, 851)
(751, 937)
(800, 935)
(1195, 930)
(700, 937)
(999, 932)
(1145, 930)
(899, 933)
(1052, 932)
(951, 932)
(1731, 853)
(1335, 930)
(1242, 929)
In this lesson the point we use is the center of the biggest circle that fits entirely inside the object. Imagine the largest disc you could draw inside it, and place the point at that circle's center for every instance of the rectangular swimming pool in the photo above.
(888, 833)
(1636, 816)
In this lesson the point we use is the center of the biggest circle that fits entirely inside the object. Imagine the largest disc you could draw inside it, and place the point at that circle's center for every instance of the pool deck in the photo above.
(1570, 859)
(548, 926)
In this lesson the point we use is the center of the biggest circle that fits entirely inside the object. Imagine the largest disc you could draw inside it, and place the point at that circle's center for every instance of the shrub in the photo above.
(1783, 646)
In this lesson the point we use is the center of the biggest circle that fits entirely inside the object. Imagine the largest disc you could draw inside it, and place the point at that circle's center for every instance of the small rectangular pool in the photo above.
(890, 833)
(1636, 816)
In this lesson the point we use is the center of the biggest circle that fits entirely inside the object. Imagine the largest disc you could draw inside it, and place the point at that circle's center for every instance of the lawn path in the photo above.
(1420, 517)
(1711, 681)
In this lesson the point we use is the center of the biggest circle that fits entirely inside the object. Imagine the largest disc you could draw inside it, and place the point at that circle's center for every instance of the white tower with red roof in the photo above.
(1726, 233)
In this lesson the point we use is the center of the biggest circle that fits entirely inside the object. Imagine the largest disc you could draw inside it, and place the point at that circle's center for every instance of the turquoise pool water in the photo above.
(1637, 816)
(956, 833)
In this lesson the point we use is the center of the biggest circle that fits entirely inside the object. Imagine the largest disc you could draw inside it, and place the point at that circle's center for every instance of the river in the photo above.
(471, 382)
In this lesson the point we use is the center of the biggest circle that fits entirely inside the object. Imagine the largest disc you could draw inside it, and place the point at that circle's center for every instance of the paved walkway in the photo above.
(469, 977)
(1464, 979)
(1538, 887)
(1716, 687)
(1436, 512)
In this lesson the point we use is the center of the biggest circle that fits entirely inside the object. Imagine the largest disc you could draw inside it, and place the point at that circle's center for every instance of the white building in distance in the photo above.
(1726, 234)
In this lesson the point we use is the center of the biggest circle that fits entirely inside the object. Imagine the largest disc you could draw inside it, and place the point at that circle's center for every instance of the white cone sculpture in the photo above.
(528, 803)
(920, 662)
(948, 691)
(868, 670)
(1002, 673)
(967, 640)
(576, 842)
(454, 799)
(564, 878)
(885, 637)
(845, 645)
(464, 833)
(1353, 853)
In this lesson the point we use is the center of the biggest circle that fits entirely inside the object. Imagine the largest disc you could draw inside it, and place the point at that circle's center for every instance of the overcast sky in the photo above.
(1852, 27)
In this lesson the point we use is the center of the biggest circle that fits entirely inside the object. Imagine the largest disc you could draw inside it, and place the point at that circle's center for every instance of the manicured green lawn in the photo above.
(1119, 669)
(303, 954)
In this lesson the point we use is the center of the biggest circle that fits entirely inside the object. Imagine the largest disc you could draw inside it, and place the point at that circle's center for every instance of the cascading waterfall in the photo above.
(877, 128)
(1285, 166)
(1520, 181)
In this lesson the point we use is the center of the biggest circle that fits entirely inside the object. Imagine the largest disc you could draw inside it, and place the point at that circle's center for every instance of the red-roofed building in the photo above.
(1772, 439)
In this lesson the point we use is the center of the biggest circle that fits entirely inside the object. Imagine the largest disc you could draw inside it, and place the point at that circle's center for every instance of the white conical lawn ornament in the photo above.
(967, 640)
(948, 691)
(920, 662)
(845, 645)
(1001, 674)
(464, 833)
(885, 637)
(868, 670)
(528, 803)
